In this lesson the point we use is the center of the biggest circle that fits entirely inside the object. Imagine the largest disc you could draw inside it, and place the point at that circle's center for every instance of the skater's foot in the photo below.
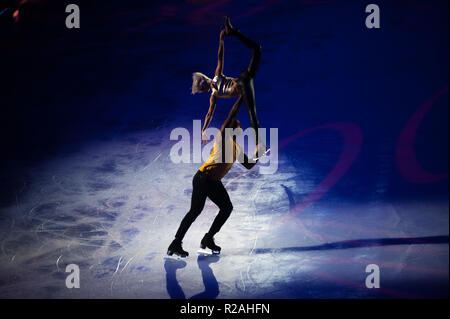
(175, 250)
(208, 247)
(229, 30)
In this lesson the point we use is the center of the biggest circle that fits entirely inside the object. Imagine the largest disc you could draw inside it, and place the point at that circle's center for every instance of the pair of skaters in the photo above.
(207, 181)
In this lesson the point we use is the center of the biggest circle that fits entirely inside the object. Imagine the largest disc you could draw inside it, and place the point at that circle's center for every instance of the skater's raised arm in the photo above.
(220, 54)
(212, 99)
(209, 115)
(232, 115)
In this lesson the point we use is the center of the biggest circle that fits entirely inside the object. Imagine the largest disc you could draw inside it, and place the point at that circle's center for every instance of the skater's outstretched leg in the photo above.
(246, 77)
(248, 96)
(249, 43)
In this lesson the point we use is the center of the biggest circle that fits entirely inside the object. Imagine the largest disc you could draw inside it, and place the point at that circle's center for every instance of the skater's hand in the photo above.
(205, 138)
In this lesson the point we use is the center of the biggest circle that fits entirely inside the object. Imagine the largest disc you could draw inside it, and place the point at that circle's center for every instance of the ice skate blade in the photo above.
(266, 153)
(174, 257)
(207, 252)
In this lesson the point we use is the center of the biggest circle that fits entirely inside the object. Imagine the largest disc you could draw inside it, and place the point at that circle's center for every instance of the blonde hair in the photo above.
(197, 79)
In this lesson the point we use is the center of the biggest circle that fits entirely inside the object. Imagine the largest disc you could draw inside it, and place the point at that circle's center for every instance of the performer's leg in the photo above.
(256, 55)
(199, 193)
(249, 43)
(246, 79)
(219, 195)
(248, 96)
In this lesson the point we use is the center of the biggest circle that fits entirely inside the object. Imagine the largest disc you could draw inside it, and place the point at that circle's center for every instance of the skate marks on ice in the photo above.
(99, 209)
(111, 209)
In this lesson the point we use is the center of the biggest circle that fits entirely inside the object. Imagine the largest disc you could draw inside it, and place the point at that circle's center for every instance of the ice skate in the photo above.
(208, 247)
(227, 26)
(260, 150)
(175, 251)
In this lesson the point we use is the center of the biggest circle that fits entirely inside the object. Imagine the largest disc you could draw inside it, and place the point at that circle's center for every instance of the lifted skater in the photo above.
(222, 86)
(207, 183)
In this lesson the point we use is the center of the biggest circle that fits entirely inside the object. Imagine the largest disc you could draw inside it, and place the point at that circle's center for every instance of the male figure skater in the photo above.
(207, 183)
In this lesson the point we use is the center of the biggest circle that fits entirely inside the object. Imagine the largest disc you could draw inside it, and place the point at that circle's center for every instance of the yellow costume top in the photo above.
(217, 166)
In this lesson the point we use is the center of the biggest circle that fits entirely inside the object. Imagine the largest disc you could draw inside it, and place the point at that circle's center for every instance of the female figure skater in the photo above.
(222, 86)
(207, 183)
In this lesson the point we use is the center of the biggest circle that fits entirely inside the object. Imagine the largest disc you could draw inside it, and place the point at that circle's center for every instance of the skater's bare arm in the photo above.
(220, 54)
(209, 115)
(233, 113)
(219, 69)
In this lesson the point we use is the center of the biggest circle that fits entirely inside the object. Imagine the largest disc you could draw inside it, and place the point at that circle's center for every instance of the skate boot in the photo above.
(175, 251)
(229, 29)
(208, 247)
(261, 150)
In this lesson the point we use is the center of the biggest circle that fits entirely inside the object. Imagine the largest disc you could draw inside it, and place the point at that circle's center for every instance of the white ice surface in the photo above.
(113, 207)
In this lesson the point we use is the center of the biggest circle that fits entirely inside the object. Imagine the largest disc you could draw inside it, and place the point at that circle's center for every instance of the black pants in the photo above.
(203, 187)
(246, 78)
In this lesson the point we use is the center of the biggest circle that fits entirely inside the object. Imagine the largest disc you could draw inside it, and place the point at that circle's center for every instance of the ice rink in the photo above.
(113, 207)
